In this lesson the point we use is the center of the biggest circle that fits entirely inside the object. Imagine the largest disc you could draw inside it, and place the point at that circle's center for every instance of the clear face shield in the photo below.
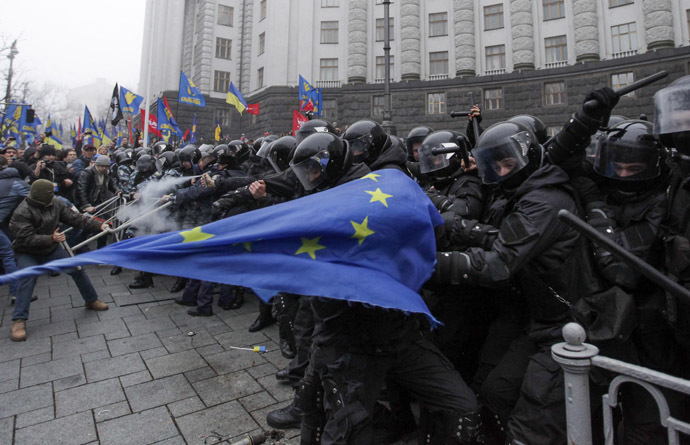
(311, 172)
(627, 161)
(360, 148)
(672, 117)
(264, 150)
(429, 162)
(499, 161)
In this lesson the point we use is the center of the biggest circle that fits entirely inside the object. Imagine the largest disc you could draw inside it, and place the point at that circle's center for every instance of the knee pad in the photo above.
(309, 400)
(449, 427)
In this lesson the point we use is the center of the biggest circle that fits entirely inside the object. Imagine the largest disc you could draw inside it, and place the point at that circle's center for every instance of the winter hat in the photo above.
(42, 191)
(103, 160)
(48, 150)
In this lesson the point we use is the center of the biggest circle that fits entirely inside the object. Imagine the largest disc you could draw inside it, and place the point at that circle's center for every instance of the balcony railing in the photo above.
(557, 64)
(494, 72)
(437, 76)
(328, 84)
(622, 54)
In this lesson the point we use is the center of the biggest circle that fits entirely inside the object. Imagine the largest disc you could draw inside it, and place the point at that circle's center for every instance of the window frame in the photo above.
(261, 46)
(490, 14)
(325, 68)
(217, 74)
(260, 77)
(381, 29)
(561, 94)
(333, 32)
(436, 107)
(324, 109)
(435, 23)
(220, 48)
(443, 61)
(222, 116)
(324, 3)
(377, 109)
(619, 3)
(547, 5)
(501, 57)
(232, 15)
(631, 38)
(630, 77)
(262, 9)
(488, 101)
(382, 66)
(551, 50)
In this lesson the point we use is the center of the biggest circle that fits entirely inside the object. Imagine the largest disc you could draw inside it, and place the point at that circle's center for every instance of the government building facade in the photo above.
(515, 56)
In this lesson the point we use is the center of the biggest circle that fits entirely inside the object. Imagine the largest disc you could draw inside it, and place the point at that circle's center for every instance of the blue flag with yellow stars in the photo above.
(369, 241)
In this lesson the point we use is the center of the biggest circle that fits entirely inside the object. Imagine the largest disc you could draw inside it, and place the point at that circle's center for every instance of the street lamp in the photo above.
(387, 124)
(11, 56)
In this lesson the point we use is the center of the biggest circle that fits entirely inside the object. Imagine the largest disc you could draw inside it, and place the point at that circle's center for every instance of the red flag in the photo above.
(131, 136)
(297, 121)
(153, 123)
(253, 109)
(308, 105)
(79, 129)
(186, 133)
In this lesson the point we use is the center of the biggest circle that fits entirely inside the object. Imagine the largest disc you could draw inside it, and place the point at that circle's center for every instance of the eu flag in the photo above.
(369, 241)
(189, 93)
(129, 102)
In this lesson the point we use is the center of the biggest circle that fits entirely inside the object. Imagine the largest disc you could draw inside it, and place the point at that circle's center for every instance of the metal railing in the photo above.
(557, 64)
(494, 72)
(328, 84)
(577, 357)
(437, 76)
(624, 54)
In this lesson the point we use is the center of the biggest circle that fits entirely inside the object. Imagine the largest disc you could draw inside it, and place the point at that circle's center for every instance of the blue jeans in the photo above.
(26, 285)
(7, 257)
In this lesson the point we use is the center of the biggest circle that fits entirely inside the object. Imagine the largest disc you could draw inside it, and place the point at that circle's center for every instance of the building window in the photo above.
(556, 49)
(225, 14)
(379, 29)
(329, 109)
(221, 81)
(262, 9)
(624, 37)
(381, 67)
(438, 24)
(262, 43)
(329, 69)
(495, 57)
(553, 130)
(329, 3)
(554, 93)
(223, 48)
(436, 103)
(260, 77)
(614, 3)
(623, 79)
(329, 32)
(493, 99)
(222, 116)
(687, 13)
(554, 9)
(493, 17)
(377, 105)
(438, 63)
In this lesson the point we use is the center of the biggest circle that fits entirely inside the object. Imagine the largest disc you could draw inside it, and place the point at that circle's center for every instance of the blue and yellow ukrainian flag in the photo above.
(235, 98)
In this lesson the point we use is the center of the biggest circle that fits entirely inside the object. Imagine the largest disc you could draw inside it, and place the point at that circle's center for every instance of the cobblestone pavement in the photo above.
(142, 372)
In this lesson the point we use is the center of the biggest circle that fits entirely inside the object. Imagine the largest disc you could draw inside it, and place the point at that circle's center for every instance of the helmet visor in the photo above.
(360, 147)
(429, 162)
(311, 172)
(264, 150)
(621, 159)
(503, 159)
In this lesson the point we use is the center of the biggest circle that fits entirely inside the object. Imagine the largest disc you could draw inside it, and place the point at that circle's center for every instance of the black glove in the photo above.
(441, 202)
(606, 100)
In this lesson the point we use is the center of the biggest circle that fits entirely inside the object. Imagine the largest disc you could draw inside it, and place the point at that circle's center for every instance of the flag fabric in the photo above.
(79, 129)
(166, 121)
(130, 102)
(115, 109)
(11, 120)
(73, 134)
(89, 125)
(185, 135)
(297, 121)
(192, 138)
(28, 129)
(310, 98)
(189, 93)
(50, 129)
(218, 132)
(153, 122)
(369, 241)
(253, 109)
(235, 98)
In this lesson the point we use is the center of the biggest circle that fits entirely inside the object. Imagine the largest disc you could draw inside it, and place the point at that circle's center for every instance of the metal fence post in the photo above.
(574, 357)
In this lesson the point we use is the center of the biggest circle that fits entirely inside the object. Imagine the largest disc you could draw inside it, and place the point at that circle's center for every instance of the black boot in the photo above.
(180, 283)
(142, 281)
(286, 349)
(285, 418)
(283, 375)
(115, 270)
(237, 299)
(264, 319)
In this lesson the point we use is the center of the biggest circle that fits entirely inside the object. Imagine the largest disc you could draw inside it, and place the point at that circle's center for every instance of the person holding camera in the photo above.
(14, 161)
(54, 171)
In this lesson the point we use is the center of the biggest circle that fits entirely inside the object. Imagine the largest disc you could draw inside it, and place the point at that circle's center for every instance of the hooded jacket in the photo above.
(90, 193)
(12, 191)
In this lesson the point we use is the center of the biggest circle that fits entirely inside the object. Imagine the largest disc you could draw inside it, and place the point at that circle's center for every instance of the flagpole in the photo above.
(148, 72)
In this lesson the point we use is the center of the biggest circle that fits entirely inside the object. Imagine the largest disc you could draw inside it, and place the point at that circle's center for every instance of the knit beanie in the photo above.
(42, 191)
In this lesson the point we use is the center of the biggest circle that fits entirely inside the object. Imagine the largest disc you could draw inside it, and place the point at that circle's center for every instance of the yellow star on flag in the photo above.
(361, 230)
(379, 196)
(371, 176)
(191, 236)
(248, 246)
(310, 246)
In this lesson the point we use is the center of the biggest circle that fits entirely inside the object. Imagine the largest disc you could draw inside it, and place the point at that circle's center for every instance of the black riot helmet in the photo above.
(124, 158)
(258, 142)
(189, 154)
(166, 161)
(146, 164)
(311, 127)
(226, 156)
(160, 147)
(533, 123)
(414, 140)
(320, 160)
(205, 149)
(367, 139)
(438, 166)
(629, 154)
(240, 149)
(141, 151)
(278, 153)
(507, 153)
(672, 115)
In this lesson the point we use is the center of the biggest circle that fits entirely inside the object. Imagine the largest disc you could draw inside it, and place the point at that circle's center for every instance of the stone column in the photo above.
(245, 66)
(658, 23)
(586, 25)
(357, 42)
(203, 47)
(522, 32)
(410, 31)
(465, 55)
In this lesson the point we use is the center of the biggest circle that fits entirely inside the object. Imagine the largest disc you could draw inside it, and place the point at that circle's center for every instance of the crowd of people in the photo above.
(509, 273)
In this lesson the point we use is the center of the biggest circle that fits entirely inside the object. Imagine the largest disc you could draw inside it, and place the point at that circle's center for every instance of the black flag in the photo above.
(115, 110)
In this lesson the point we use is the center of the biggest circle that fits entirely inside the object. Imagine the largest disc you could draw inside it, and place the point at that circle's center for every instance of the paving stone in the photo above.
(200, 374)
(158, 392)
(235, 360)
(111, 411)
(146, 427)
(114, 312)
(76, 429)
(161, 310)
(69, 382)
(9, 385)
(101, 327)
(228, 420)
(96, 355)
(65, 337)
(49, 371)
(262, 370)
(9, 370)
(135, 379)
(117, 335)
(155, 352)
(57, 314)
(186, 406)
(175, 363)
(38, 317)
(157, 324)
(14, 350)
(220, 329)
(260, 417)
(133, 344)
(86, 397)
(36, 416)
(48, 330)
(257, 401)
(50, 302)
(36, 359)
(226, 387)
(7, 430)
(185, 342)
(177, 440)
(126, 299)
(210, 350)
(278, 390)
(32, 398)
(80, 346)
(114, 367)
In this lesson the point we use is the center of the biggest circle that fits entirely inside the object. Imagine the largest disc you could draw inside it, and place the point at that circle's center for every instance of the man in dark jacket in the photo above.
(95, 185)
(36, 241)
(12, 192)
(83, 161)
(54, 171)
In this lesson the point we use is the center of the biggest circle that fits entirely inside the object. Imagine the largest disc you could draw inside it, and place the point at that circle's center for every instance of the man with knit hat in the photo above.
(35, 224)
(95, 186)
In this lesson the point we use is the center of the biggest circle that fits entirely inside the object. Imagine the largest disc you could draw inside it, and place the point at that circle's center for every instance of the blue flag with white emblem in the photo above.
(189, 93)
(369, 241)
